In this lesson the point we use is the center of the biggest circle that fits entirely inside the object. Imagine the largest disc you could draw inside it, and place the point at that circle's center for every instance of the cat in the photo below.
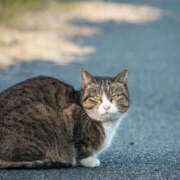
(45, 122)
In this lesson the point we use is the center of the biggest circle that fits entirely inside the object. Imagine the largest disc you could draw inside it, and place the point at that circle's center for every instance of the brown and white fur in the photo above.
(103, 108)
(44, 121)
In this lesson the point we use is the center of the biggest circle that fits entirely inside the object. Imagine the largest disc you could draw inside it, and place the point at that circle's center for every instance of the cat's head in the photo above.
(105, 98)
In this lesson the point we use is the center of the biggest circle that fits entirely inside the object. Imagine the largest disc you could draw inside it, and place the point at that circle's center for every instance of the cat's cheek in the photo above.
(93, 113)
(101, 111)
(88, 105)
(114, 108)
(122, 109)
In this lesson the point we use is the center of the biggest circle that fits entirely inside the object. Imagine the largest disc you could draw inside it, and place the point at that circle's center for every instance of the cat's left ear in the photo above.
(122, 77)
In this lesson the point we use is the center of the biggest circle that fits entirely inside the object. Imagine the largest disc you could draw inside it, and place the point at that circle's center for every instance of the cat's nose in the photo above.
(106, 107)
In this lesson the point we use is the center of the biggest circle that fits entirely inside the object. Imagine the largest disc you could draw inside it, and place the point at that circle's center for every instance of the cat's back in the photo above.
(41, 89)
(32, 121)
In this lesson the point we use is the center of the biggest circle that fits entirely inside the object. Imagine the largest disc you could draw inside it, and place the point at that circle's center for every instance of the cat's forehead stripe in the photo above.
(105, 87)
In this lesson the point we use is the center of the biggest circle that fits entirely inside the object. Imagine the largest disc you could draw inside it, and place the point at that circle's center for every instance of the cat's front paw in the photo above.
(90, 162)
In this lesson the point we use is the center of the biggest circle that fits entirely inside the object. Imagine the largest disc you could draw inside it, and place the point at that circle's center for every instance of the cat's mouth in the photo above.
(108, 115)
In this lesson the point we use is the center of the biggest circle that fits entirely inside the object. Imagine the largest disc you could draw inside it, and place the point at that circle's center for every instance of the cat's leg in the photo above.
(90, 161)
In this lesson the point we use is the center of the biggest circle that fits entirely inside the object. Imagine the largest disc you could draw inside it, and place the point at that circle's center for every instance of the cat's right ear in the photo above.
(86, 78)
(122, 77)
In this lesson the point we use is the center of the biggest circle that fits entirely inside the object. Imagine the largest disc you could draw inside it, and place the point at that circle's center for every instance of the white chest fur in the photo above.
(110, 128)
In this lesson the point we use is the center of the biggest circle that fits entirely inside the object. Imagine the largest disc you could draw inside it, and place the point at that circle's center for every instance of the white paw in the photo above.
(90, 162)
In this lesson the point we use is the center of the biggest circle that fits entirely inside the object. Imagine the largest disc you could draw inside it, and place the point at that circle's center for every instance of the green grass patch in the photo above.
(10, 9)
(23, 4)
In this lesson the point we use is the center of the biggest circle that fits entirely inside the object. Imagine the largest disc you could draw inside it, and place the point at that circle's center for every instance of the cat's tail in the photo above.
(30, 164)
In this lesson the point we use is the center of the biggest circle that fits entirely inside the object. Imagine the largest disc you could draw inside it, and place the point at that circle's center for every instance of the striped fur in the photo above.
(44, 121)
(36, 123)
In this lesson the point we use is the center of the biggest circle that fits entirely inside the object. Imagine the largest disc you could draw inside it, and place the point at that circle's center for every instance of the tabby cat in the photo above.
(45, 122)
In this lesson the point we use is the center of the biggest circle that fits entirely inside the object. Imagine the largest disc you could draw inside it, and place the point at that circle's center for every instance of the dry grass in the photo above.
(43, 34)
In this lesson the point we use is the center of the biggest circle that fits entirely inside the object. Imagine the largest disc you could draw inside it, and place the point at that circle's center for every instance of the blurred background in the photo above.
(58, 38)
(54, 37)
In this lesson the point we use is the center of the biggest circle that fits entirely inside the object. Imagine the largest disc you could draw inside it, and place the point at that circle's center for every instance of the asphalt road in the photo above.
(147, 145)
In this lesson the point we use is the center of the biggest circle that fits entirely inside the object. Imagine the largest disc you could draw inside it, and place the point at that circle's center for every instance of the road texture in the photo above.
(147, 144)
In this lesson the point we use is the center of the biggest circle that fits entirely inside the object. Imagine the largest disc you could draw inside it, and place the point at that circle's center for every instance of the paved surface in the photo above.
(147, 145)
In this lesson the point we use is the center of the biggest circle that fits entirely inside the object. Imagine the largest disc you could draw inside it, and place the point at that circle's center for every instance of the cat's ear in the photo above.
(86, 78)
(122, 77)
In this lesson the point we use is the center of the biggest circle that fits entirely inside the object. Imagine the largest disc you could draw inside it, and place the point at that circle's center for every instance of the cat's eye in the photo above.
(97, 98)
(117, 97)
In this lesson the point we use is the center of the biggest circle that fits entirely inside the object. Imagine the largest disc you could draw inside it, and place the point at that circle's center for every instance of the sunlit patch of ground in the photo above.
(46, 35)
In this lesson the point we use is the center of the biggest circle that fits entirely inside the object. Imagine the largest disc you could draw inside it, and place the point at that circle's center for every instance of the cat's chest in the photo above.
(110, 129)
